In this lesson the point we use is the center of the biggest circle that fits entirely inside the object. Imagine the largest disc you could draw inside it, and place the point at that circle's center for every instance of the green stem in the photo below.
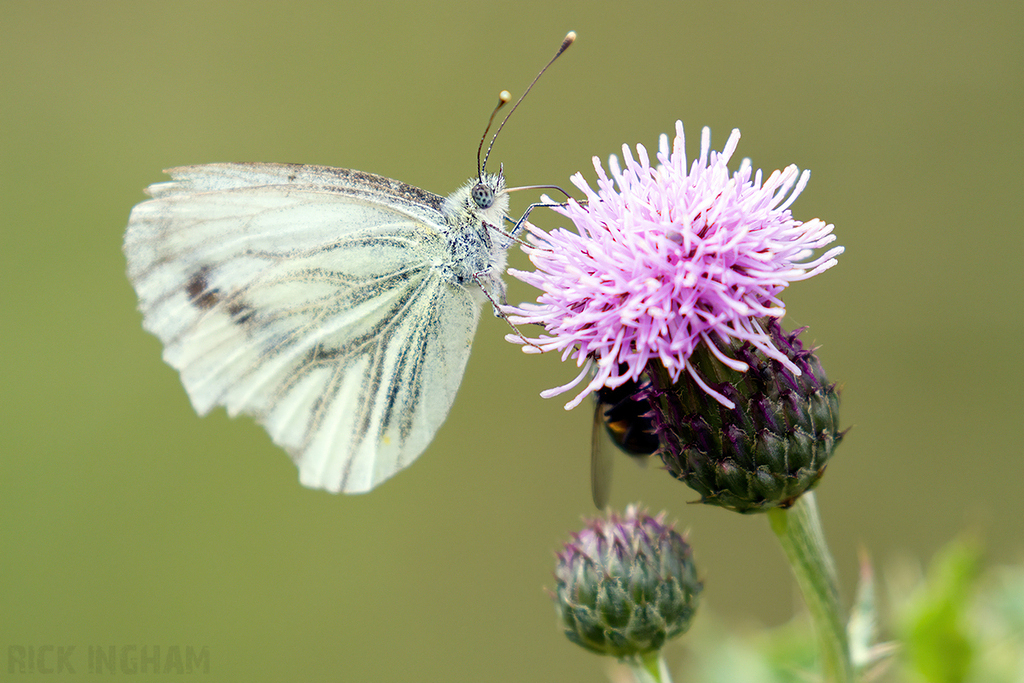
(799, 531)
(650, 668)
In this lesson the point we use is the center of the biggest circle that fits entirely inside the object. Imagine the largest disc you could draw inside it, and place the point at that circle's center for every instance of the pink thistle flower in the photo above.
(662, 259)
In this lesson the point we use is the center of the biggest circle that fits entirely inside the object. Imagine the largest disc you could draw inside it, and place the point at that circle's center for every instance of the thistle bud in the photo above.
(625, 585)
(768, 449)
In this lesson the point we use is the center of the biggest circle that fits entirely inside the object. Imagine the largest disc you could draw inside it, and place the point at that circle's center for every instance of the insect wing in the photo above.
(624, 419)
(602, 460)
(309, 298)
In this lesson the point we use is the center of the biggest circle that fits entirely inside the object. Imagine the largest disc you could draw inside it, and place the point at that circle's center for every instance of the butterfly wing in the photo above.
(312, 299)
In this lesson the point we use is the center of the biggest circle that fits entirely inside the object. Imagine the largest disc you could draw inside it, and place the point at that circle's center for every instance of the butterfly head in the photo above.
(483, 195)
(489, 190)
(487, 198)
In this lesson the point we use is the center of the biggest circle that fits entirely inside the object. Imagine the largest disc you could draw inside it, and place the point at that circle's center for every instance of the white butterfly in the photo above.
(334, 306)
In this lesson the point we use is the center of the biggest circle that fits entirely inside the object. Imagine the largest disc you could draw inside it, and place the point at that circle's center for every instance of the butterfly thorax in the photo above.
(475, 215)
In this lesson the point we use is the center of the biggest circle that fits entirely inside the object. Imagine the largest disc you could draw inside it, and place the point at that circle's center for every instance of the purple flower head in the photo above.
(663, 258)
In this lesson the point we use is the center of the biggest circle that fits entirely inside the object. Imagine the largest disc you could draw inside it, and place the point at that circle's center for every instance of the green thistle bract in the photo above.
(767, 450)
(626, 585)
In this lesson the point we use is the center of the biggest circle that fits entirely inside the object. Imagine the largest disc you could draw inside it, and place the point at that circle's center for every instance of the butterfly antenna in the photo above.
(569, 38)
(504, 97)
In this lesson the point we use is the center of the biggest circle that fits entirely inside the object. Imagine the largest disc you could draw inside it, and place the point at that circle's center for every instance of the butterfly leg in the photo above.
(498, 313)
(518, 225)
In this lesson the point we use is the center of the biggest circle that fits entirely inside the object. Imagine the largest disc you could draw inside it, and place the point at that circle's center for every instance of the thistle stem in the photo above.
(799, 531)
(650, 668)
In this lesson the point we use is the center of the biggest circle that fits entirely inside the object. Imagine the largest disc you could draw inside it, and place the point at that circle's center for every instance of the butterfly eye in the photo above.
(483, 196)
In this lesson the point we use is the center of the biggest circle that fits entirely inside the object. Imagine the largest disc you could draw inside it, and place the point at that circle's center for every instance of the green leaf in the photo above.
(939, 645)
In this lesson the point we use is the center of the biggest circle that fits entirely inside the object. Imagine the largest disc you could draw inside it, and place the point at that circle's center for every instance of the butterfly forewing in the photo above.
(312, 299)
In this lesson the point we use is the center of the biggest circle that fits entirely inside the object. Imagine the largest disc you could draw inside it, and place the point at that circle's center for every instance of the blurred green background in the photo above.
(125, 519)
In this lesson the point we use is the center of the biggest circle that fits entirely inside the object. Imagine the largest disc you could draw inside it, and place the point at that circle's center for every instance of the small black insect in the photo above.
(624, 414)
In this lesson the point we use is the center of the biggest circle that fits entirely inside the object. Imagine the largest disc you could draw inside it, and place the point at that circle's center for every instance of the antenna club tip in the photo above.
(569, 38)
(504, 96)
